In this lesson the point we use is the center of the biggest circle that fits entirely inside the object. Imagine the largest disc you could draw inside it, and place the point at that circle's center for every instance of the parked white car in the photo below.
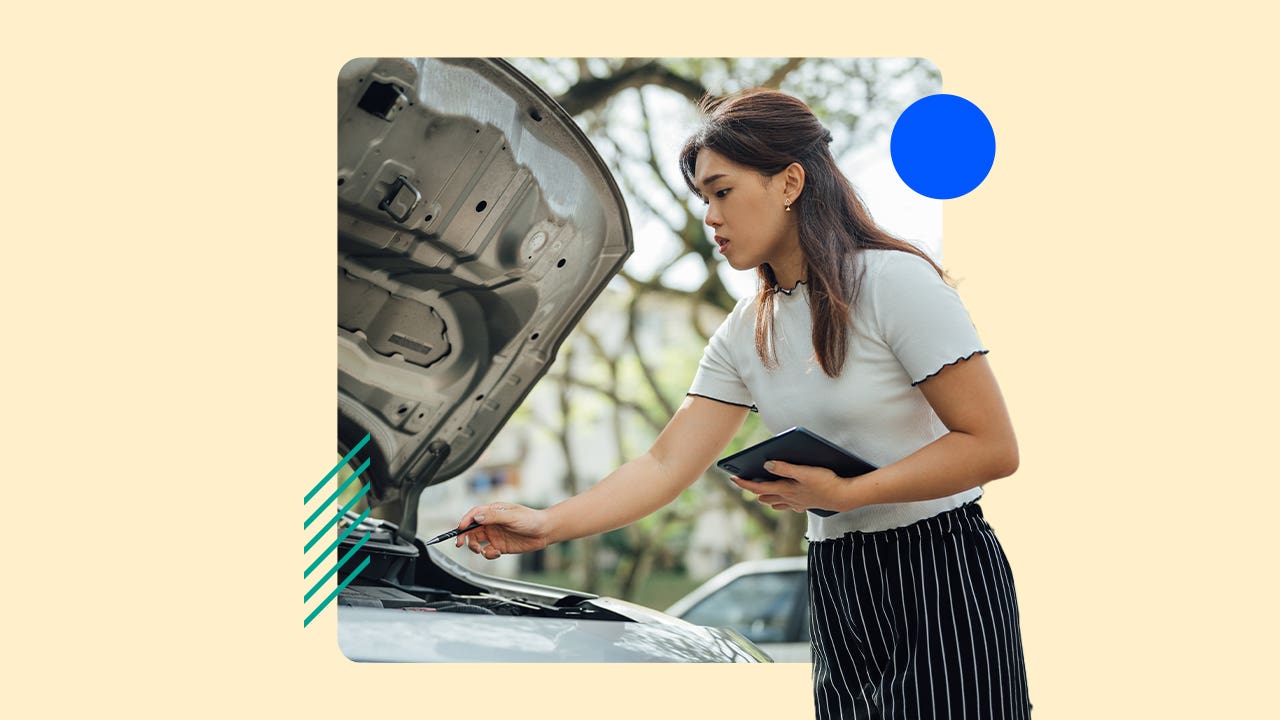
(765, 600)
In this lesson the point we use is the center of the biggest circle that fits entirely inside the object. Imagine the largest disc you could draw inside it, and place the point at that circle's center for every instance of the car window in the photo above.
(763, 606)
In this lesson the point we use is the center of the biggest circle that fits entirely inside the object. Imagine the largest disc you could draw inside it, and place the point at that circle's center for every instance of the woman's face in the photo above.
(746, 212)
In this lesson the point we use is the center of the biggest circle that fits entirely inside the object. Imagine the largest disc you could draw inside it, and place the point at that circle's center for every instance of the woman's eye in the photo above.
(718, 193)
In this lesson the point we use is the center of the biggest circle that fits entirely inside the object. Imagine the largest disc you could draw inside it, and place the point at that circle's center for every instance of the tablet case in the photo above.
(800, 447)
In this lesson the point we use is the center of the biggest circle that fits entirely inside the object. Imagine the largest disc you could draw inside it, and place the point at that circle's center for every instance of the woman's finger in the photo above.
(471, 515)
(796, 472)
(465, 537)
(474, 514)
(753, 486)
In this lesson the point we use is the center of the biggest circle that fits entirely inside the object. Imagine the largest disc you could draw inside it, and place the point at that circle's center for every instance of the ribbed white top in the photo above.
(908, 325)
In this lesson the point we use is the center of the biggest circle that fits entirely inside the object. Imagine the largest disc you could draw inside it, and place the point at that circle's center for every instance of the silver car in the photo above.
(765, 600)
(476, 223)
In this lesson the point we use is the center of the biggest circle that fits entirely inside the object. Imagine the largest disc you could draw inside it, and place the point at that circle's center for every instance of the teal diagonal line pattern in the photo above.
(341, 586)
(350, 529)
(334, 495)
(347, 556)
(345, 459)
(336, 518)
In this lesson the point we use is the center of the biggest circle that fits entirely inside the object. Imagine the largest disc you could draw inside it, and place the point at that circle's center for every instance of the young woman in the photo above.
(857, 336)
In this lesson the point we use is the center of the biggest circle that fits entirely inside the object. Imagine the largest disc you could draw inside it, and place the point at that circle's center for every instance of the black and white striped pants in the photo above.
(916, 622)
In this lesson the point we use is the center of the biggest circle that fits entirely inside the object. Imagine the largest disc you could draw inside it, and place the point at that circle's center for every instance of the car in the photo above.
(476, 224)
(765, 600)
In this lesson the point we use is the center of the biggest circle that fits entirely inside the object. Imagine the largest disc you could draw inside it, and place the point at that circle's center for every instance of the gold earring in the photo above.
(787, 203)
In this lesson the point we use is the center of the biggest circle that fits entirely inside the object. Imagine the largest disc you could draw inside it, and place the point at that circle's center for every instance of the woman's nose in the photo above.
(712, 218)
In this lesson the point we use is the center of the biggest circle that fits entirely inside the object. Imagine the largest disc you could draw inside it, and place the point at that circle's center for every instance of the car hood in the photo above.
(377, 635)
(476, 224)
(441, 611)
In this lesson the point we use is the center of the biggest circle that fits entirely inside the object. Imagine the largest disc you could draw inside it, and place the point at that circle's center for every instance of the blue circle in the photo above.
(942, 146)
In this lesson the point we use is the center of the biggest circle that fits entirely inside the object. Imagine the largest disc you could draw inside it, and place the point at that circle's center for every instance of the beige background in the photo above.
(169, 302)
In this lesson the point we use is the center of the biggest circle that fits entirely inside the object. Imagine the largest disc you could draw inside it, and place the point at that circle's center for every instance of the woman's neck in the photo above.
(790, 270)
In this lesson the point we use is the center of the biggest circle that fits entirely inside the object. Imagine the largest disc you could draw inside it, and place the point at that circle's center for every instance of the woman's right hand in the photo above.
(505, 528)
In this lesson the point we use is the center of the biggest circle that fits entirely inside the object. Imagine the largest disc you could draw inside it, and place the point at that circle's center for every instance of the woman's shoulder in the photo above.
(890, 269)
(888, 278)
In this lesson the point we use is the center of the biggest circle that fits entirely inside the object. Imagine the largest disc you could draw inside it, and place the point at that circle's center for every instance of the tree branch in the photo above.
(613, 396)
(611, 361)
(775, 80)
(696, 323)
(677, 198)
(591, 92)
(713, 292)
(650, 378)
(633, 193)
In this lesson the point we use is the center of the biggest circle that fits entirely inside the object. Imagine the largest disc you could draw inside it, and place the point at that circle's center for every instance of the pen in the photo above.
(451, 534)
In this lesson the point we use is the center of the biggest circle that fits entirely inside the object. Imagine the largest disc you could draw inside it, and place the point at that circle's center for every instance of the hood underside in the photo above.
(476, 224)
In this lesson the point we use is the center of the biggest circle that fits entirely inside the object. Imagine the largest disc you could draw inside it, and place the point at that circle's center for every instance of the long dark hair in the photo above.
(768, 130)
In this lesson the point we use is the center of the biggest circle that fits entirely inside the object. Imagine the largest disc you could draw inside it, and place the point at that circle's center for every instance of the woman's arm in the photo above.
(980, 446)
(696, 433)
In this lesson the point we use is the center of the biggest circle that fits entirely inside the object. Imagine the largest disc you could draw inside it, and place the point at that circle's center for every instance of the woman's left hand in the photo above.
(802, 487)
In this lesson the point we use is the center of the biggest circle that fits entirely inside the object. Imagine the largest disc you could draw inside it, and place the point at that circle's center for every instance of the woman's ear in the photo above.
(793, 180)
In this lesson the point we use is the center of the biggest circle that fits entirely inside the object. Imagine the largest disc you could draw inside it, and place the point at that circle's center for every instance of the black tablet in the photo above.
(799, 447)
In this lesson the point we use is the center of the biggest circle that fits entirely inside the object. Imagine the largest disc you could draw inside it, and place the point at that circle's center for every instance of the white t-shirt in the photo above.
(908, 325)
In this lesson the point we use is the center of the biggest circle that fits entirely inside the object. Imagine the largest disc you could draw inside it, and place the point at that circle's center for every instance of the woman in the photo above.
(855, 335)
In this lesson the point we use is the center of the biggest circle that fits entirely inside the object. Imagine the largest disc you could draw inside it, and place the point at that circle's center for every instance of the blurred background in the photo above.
(627, 366)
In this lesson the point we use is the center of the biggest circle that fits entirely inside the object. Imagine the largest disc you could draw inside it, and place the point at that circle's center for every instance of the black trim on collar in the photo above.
(784, 291)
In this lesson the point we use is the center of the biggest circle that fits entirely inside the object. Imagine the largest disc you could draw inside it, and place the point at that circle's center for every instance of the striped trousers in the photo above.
(916, 622)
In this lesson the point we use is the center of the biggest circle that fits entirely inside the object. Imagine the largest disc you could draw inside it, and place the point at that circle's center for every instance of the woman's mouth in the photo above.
(722, 242)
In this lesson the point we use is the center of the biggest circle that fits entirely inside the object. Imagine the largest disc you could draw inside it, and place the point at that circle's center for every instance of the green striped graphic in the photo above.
(363, 564)
(329, 551)
(346, 459)
(350, 529)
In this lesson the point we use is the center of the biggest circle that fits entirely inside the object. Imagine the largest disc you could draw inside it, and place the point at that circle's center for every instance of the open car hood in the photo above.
(476, 224)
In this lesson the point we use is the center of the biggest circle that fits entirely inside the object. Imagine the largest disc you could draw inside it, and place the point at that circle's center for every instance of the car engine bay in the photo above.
(409, 577)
